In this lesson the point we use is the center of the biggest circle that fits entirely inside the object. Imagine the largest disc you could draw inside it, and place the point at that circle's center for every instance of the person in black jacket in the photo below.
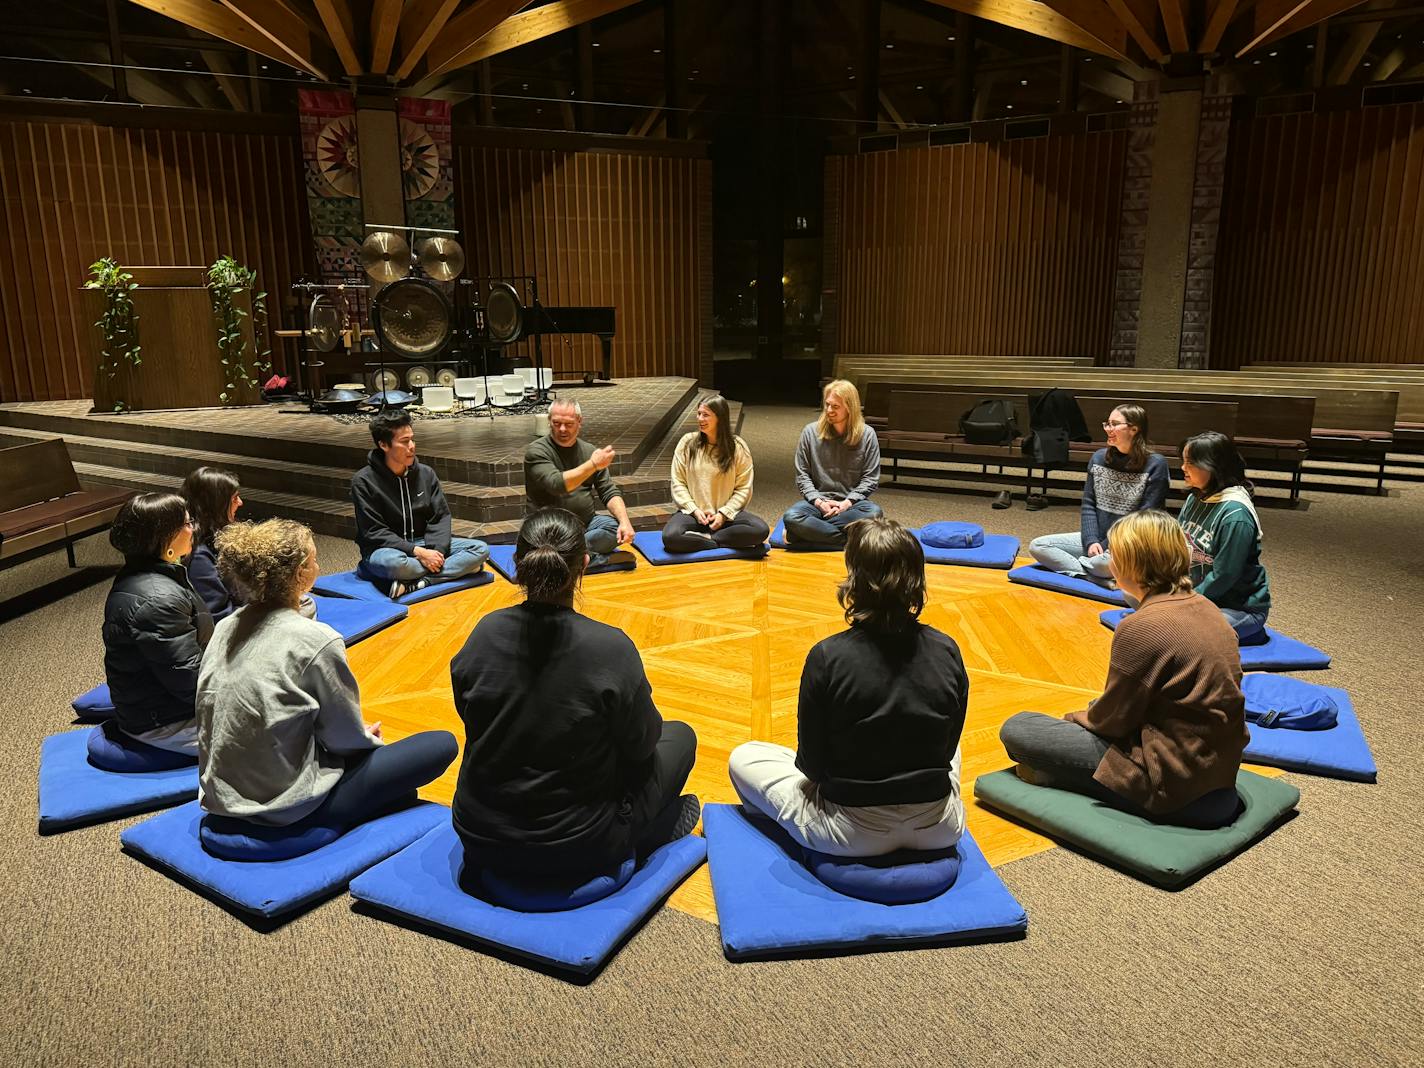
(568, 769)
(155, 625)
(880, 714)
(213, 499)
(402, 520)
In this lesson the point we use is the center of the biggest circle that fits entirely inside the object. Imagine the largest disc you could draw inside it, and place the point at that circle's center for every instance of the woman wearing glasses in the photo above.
(1125, 477)
(155, 625)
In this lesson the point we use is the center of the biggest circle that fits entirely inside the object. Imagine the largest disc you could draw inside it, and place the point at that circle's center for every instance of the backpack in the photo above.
(990, 422)
(1054, 419)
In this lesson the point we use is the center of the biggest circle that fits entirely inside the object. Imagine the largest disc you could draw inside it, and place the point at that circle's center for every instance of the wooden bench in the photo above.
(42, 505)
(1409, 418)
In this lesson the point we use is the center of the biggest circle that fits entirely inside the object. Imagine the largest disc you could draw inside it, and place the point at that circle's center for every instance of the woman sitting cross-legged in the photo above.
(568, 768)
(155, 625)
(282, 742)
(1127, 476)
(1165, 738)
(837, 469)
(711, 485)
(1224, 532)
(882, 707)
(213, 500)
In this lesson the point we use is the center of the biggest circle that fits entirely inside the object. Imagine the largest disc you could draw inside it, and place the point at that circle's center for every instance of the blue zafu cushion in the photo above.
(950, 535)
(1339, 752)
(778, 541)
(769, 904)
(421, 884)
(996, 550)
(110, 749)
(526, 894)
(231, 839)
(896, 879)
(355, 620)
(1289, 704)
(1277, 653)
(94, 704)
(501, 558)
(650, 544)
(1037, 575)
(74, 792)
(351, 585)
(276, 887)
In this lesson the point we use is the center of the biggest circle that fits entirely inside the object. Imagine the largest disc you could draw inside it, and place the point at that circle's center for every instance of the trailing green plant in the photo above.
(226, 278)
(119, 321)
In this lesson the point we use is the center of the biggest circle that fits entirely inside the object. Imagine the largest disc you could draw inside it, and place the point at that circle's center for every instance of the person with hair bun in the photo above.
(281, 738)
(1125, 477)
(155, 624)
(837, 469)
(568, 767)
(1224, 533)
(881, 710)
(1165, 738)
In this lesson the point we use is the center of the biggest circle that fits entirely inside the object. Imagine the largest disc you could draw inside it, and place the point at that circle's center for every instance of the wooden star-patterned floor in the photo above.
(723, 644)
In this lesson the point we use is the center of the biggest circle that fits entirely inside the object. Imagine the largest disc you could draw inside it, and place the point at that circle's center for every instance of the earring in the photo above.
(169, 554)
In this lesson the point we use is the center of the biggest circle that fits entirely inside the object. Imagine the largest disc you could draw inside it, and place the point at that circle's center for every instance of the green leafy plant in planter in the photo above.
(226, 278)
(119, 321)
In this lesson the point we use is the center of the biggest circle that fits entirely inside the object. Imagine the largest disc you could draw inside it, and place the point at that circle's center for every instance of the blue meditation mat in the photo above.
(650, 544)
(275, 887)
(94, 704)
(354, 619)
(351, 585)
(74, 792)
(110, 749)
(778, 541)
(1037, 575)
(998, 550)
(421, 884)
(1338, 752)
(769, 904)
(1277, 653)
(501, 558)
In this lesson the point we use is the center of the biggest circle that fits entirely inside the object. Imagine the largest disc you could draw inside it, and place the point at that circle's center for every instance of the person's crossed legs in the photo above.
(466, 556)
(805, 523)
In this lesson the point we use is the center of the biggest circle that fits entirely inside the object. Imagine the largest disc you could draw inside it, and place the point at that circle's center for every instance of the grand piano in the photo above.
(540, 320)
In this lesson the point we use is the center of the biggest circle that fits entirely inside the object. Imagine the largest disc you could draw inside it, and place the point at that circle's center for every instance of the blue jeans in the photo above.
(1249, 626)
(602, 535)
(805, 523)
(466, 555)
(1066, 554)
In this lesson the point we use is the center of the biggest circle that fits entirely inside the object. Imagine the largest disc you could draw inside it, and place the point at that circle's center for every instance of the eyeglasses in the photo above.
(1115, 426)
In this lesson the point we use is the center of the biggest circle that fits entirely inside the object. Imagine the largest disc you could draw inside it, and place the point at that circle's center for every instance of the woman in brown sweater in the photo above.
(1165, 738)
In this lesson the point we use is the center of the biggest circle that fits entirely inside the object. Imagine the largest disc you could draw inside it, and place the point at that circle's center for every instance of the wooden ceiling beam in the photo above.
(221, 22)
(1218, 17)
(1038, 19)
(282, 26)
(1141, 18)
(529, 26)
(385, 19)
(1275, 19)
(1174, 20)
(1362, 35)
(341, 31)
(1093, 18)
(424, 20)
(1387, 66)
(462, 33)
(232, 86)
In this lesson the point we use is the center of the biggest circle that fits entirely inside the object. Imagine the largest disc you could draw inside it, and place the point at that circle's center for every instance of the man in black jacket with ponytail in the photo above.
(402, 520)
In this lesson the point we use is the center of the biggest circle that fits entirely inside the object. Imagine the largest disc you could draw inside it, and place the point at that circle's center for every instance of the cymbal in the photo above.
(385, 256)
(442, 258)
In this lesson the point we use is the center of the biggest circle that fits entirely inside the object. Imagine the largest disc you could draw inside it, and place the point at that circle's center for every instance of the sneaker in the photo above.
(1035, 502)
(1003, 499)
(398, 590)
(596, 560)
(1031, 775)
(688, 817)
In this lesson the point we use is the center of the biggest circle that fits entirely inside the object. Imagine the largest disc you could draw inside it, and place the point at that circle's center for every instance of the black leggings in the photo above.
(744, 532)
(383, 778)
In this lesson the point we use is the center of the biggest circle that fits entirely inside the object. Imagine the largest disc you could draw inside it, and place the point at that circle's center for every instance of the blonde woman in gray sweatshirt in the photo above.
(281, 741)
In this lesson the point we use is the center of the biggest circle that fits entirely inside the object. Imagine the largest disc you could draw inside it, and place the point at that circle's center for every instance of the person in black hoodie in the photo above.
(155, 625)
(568, 768)
(402, 520)
(881, 710)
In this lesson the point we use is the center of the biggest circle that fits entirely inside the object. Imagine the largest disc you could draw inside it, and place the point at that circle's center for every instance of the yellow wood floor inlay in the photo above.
(723, 644)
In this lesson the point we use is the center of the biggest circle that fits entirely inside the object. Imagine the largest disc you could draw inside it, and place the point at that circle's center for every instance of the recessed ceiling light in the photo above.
(595, 44)
(525, 85)
(1023, 81)
(919, 87)
(1255, 63)
(1367, 63)
(657, 51)
(889, 46)
(1119, 101)
(1009, 106)
(950, 37)
(1273, 54)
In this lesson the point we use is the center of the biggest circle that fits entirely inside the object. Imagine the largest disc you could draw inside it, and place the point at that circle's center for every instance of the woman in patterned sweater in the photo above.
(1125, 477)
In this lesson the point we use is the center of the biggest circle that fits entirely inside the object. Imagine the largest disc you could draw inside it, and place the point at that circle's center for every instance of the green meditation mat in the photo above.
(1168, 856)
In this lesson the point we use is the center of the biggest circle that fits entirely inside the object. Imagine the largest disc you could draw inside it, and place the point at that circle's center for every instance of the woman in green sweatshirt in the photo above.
(1224, 533)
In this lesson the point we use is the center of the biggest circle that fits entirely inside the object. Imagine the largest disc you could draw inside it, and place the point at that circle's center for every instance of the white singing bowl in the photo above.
(470, 389)
(513, 385)
(437, 398)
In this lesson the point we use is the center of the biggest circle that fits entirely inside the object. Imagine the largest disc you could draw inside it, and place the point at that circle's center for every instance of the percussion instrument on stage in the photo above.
(385, 256)
(391, 398)
(339, 400)
(446, 377)
(413, 319)
(418, 377)
(441, 258)
(383, 380)
(327, 323)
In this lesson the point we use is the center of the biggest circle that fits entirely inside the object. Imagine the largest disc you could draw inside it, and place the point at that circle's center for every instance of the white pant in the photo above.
(767, 780)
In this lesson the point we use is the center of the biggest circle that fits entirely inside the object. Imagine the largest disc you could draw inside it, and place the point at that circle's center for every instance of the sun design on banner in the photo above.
(420, 160)
(337, 156)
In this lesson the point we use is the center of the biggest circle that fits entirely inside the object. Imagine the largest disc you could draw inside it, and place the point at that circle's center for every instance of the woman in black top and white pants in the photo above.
(881, 710)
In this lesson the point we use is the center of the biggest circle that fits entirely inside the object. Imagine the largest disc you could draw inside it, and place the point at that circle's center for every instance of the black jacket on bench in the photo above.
(155, 628)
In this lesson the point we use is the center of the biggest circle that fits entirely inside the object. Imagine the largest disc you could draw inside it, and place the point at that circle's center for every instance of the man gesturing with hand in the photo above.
(563, 471)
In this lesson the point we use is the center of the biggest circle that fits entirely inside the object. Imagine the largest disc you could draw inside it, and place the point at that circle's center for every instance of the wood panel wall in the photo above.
(1004, 248)
(1321, 254)
(600, 228)
(74, 192)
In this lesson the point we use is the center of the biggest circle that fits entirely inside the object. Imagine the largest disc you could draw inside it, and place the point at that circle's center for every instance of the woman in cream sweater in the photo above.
(711, 485)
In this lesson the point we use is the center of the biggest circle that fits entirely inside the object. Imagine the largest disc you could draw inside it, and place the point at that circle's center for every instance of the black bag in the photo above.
(1047, 446)
(990, 422)
(1057, 409)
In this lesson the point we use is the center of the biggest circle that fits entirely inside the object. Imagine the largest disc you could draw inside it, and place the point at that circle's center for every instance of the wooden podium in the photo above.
(181, 366)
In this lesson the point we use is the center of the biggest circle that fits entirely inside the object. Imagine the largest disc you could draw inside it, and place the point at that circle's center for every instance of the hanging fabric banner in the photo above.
(333, 176)
(426, 172)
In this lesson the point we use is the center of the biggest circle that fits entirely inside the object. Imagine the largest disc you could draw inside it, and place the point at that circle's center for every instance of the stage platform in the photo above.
(296, 464)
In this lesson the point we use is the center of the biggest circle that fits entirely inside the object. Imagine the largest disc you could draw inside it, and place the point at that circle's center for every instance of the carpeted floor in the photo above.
(1304, 951)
